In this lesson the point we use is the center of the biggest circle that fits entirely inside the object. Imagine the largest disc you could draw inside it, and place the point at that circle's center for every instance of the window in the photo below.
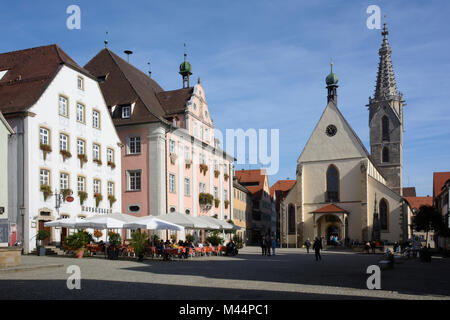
(291, 219)
(206, 134)
(201, 132)
(96, 119)
(44, 136)
(187, 187)
(216, 193)
(202, 187)
(134, 180)
(385, 128)
(80, 146)
(173, 209)
(44, 177)
(332, 194)
(225, 195)
(195, 128)
(80, 113)
(172, 183)
(110, 188)
(385, 155)
(187, 153)
(96, 151)
(97, 186)
(126, 112)
(63, 142)
(110, 155)
(187, 211)
(134, 145)
(63, 181)
(172, 146)
(81, 183)
(216, 165)
(63, 107)
(383, 214)
(80, 83)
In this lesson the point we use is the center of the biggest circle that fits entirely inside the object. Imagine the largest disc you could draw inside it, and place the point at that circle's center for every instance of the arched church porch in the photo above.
(330, 221)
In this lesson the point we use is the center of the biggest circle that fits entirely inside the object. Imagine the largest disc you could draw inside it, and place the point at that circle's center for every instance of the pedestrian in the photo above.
(274, 245)
(317, 246)
(307, 245)
(263, 246)
(268, 243)
(373, 246)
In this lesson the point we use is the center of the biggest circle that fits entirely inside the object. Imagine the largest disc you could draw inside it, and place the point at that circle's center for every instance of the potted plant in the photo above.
(203, 168)
(46, 148)
(83, 196)
(114, 242)
(40, 237)
(205, 200)
(111, 164)
(65, 154)
(77, 242)
(46, 190)
(216, 203)
(226, 203)
(111, 199)
(98, 234)
(214, 238)
(83, 159)
(138, 243)
(98, 197)
(189, 237)
(226, 176)
(66, 193)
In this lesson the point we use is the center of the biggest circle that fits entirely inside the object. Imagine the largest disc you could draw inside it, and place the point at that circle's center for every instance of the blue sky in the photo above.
(263, 63)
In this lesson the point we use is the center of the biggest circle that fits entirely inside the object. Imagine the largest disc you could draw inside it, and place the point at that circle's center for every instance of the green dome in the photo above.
(185, 67)
(331, 79)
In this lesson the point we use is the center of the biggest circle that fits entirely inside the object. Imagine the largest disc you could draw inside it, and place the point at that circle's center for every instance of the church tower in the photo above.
(386, 120)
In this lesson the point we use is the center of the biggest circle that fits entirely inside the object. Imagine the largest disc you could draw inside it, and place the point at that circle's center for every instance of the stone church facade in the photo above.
(343, 190)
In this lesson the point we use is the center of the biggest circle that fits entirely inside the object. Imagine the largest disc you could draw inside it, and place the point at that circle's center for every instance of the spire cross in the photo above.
(331, 64)
(385, 31)
(106, 40)
(185, 51)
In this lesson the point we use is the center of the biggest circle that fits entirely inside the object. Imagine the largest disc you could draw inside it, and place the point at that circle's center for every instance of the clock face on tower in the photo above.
(331, 130)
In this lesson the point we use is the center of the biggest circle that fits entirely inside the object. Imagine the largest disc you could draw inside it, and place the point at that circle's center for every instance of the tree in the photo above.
(427, 219)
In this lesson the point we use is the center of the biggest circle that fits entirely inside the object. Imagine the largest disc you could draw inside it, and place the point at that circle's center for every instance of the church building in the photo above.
(343, 190)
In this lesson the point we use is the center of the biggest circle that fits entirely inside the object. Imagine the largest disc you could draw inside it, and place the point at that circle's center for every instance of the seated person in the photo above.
(200, 245)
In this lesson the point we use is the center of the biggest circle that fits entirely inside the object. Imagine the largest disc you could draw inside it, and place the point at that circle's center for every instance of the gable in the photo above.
(344, 144)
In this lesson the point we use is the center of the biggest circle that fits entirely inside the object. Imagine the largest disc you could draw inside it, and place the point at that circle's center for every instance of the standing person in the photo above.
(317, 246)
(268, 243)
(373, 246)
(307, 245)
(274, 245)
(263, 245)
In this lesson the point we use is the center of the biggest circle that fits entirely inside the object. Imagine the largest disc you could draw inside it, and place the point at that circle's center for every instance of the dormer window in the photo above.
(126, 112)
(80, 83)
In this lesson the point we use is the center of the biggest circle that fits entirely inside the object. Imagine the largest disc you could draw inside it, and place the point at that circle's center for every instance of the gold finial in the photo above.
(331, 64)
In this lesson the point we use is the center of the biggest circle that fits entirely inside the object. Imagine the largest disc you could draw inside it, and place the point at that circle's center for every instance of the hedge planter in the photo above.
(45, 149)
(65, 154)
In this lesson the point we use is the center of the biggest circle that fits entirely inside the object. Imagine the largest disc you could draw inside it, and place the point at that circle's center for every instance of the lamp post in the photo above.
(22, 232)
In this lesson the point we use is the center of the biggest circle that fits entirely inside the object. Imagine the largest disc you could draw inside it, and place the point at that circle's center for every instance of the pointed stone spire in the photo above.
(386, 85)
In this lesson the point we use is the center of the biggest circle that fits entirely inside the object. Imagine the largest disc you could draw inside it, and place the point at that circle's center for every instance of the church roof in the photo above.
(28, 74)
(330, 208)
(409, 191)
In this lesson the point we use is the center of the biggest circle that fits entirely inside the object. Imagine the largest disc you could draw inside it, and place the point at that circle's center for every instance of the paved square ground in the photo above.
(291, 274)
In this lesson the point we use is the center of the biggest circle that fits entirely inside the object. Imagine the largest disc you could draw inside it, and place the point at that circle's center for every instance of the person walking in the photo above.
(274, 245)
(317, 246)
(307, 245)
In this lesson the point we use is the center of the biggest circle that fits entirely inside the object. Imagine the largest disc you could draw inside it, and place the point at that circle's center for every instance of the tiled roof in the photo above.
(252, 180)
(330, 208)
(409, 192)
(29, 73)
(417, 202)
(439, 179)
(125, 84)
(281, 185)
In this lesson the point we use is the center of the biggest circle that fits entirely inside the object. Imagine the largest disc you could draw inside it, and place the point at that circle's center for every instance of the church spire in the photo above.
(386, 85)
(331, 81)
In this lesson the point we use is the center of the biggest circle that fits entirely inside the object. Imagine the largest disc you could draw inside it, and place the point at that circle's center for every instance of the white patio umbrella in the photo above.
(185, 220)
(221, 224)
(100, 222)
(152, 223)
(64, 223)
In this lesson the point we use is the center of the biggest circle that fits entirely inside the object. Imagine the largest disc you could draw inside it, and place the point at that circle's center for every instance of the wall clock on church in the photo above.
(331, 130)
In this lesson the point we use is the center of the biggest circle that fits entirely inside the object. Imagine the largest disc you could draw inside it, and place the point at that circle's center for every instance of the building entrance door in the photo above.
(41, 227)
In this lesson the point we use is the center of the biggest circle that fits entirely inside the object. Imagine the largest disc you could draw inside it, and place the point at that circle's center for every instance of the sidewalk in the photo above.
(30, 263)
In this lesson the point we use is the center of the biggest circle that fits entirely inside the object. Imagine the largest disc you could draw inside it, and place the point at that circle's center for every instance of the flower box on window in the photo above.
(203, 168)
(216, 203)
(111, 199)
(111, 164)
(83, 196)
(226, 203)
(46, 148)
(98, 198)
(46, 190)
(98, 161)
(188, 163)
(65, 154)
(173, 157)
(83, 159)
(226, 176)
(216, 173)
(205, 200)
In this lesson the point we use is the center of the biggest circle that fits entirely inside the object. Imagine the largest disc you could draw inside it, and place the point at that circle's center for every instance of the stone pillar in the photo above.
(157, 169)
